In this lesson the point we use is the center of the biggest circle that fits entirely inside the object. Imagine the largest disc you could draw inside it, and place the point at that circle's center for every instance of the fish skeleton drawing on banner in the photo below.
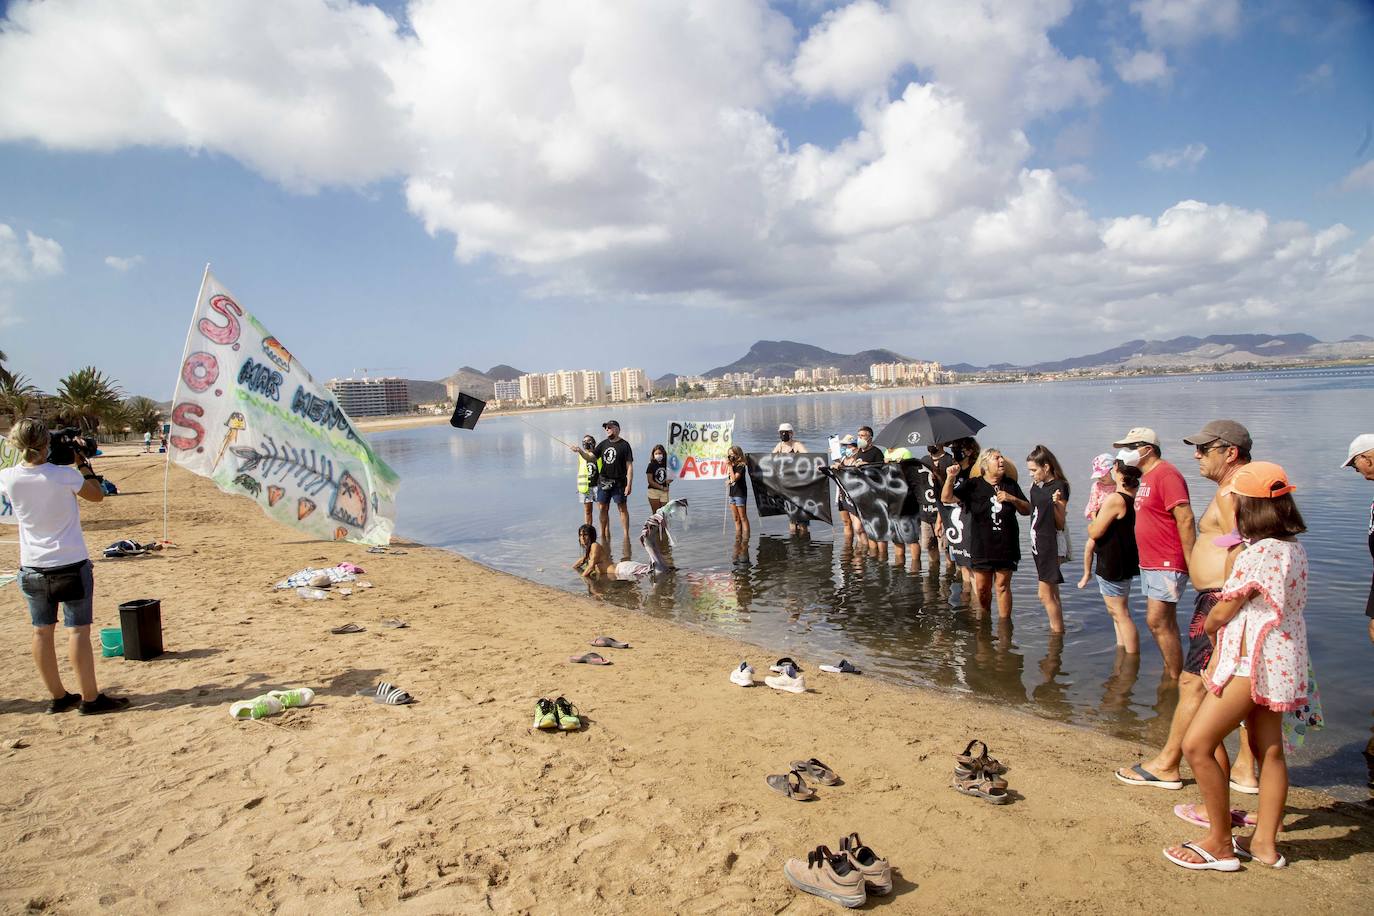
(312, 474)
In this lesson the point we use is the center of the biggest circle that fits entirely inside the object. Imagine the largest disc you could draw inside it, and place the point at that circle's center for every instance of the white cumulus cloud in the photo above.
(123, 265)
(1185, 157)
(1141, 67)
(1361, 178)
(614, 149)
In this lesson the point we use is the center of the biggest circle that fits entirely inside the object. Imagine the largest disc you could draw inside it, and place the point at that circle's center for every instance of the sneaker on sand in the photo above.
(790, 680)
(827, 875)
(545, 716)
(877, 873)
(256, 708)
(782, 664)
(568, 718)
(743, 675)
(297, 696)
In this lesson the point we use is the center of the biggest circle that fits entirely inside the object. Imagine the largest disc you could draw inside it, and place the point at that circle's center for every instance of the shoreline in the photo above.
(454, 803)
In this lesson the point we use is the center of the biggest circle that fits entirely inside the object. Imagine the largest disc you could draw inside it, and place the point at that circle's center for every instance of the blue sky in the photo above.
(431, 185)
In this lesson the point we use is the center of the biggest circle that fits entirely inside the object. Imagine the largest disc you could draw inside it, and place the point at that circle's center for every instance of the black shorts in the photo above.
(1199, 644)
(1047, 567)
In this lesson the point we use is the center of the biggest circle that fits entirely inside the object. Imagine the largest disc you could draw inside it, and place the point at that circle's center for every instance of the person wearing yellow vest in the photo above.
(586, 478)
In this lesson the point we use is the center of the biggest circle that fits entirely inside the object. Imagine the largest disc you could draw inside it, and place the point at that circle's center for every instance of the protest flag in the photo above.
(878, 493)
(466, 412)
(793, 485)
(250, 417)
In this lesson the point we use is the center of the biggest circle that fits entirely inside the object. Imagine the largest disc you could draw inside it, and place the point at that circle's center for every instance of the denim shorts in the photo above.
(606, 492)
(1163, 584)
(1109, 589)
(41, 592)
(739, 501)
(588, 498)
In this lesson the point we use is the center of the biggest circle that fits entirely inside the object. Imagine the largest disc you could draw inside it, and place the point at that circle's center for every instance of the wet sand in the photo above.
(456, 805)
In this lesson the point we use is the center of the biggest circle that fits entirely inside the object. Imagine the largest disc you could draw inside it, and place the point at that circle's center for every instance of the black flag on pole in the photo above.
(466, 412)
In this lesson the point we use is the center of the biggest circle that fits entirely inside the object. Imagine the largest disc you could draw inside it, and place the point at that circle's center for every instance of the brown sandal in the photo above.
(818, 771)
(987, 764)
(980, 786)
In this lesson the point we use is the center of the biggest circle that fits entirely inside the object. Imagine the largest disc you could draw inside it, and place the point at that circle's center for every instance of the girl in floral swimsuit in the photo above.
(1260, 670)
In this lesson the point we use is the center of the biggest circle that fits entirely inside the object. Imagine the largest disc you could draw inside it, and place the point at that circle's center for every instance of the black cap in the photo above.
(609, 423)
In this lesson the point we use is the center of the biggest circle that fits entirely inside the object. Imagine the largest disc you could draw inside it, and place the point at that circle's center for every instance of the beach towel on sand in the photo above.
(337, 574)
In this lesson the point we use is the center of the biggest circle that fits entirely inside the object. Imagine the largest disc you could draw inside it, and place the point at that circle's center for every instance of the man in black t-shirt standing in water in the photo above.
(617, 466)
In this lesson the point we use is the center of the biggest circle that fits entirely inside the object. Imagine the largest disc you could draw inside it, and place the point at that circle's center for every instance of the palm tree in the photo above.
(144, 415)
(17, 395)
(4, 373)
(85, 397)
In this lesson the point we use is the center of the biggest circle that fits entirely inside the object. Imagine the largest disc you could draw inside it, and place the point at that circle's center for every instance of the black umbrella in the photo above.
(927, 426)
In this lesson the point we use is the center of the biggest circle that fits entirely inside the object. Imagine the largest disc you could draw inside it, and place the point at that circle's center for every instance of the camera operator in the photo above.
(54, 567)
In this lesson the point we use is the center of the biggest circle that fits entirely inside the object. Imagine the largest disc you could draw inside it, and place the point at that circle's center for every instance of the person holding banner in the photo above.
(739, 493)
(848, 459)
(788, 445)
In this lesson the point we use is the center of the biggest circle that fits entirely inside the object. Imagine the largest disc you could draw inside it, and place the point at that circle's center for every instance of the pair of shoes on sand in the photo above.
(596, 658)
(556, 715)
(101, 704)
(787, 676)
(846, 877)
(271, 703)
(980, 775)
(793, 783)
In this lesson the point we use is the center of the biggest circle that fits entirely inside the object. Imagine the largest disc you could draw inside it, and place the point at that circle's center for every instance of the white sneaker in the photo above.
(790, 680)
(743, 675)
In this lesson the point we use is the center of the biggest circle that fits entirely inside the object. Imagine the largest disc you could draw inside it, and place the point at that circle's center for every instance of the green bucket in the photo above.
(111, 641)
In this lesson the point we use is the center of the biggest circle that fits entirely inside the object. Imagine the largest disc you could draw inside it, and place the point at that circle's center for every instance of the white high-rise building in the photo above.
(505, 391)
(630, 385)
(533, 387)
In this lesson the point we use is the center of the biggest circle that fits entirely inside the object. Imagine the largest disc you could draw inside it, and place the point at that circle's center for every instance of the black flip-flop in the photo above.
(781, 665)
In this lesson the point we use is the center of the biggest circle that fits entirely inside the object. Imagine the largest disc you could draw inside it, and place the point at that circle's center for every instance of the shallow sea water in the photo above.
(505, 495)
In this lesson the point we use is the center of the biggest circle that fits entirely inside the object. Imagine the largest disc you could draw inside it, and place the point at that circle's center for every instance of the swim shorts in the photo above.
(1109, 589)
(1199, 644)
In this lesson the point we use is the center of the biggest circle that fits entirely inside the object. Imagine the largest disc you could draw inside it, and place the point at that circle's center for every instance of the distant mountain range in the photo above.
(1198, 352)
(783, 357)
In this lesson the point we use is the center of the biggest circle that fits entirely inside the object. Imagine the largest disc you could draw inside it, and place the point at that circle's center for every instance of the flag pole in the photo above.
(167, 464)
(538, 430)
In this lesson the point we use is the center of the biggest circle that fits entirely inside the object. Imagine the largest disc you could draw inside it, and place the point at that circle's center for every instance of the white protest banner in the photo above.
(697, 448)
(249, 416)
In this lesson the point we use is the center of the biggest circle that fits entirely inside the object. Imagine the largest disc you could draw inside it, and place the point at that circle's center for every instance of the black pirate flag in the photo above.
(466, 412)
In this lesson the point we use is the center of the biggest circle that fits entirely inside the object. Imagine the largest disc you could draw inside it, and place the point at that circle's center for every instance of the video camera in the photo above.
(65, 444)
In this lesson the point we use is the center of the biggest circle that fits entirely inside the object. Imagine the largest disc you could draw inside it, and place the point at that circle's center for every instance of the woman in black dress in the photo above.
(1049, 499)
(990, 504)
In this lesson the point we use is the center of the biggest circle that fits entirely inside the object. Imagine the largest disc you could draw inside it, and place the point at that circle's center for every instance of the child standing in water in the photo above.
(739, 492)
(1260, 670)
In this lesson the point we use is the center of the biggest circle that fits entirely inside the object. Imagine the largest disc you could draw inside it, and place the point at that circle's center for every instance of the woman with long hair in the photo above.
(659, 482)
(1049, 499)
(1111, 543)
(738, 491)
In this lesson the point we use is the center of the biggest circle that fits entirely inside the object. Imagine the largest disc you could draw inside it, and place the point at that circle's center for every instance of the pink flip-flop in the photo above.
(1190, 814)
(591, 658)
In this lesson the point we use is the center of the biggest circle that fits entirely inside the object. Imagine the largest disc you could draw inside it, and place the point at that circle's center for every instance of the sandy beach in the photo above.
(455, 805)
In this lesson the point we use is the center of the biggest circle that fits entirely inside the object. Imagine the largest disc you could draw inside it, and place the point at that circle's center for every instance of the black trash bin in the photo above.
(141, 625)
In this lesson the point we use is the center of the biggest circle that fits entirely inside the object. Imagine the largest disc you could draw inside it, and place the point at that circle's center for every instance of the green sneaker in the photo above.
(290, 699)
(568, 720)
(545, 716)
(256, 708)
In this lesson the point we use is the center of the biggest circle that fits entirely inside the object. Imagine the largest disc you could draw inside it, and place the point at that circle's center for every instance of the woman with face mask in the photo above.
(657, 473)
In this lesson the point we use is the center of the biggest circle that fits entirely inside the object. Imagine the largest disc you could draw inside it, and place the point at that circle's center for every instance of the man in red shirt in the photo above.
(1164, 535)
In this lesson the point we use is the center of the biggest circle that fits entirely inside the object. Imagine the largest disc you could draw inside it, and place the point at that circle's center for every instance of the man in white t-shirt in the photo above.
(788, 445)
(54, 567)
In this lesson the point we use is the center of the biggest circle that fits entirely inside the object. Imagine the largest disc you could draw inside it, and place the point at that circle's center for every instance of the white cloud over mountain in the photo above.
(634, 149)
